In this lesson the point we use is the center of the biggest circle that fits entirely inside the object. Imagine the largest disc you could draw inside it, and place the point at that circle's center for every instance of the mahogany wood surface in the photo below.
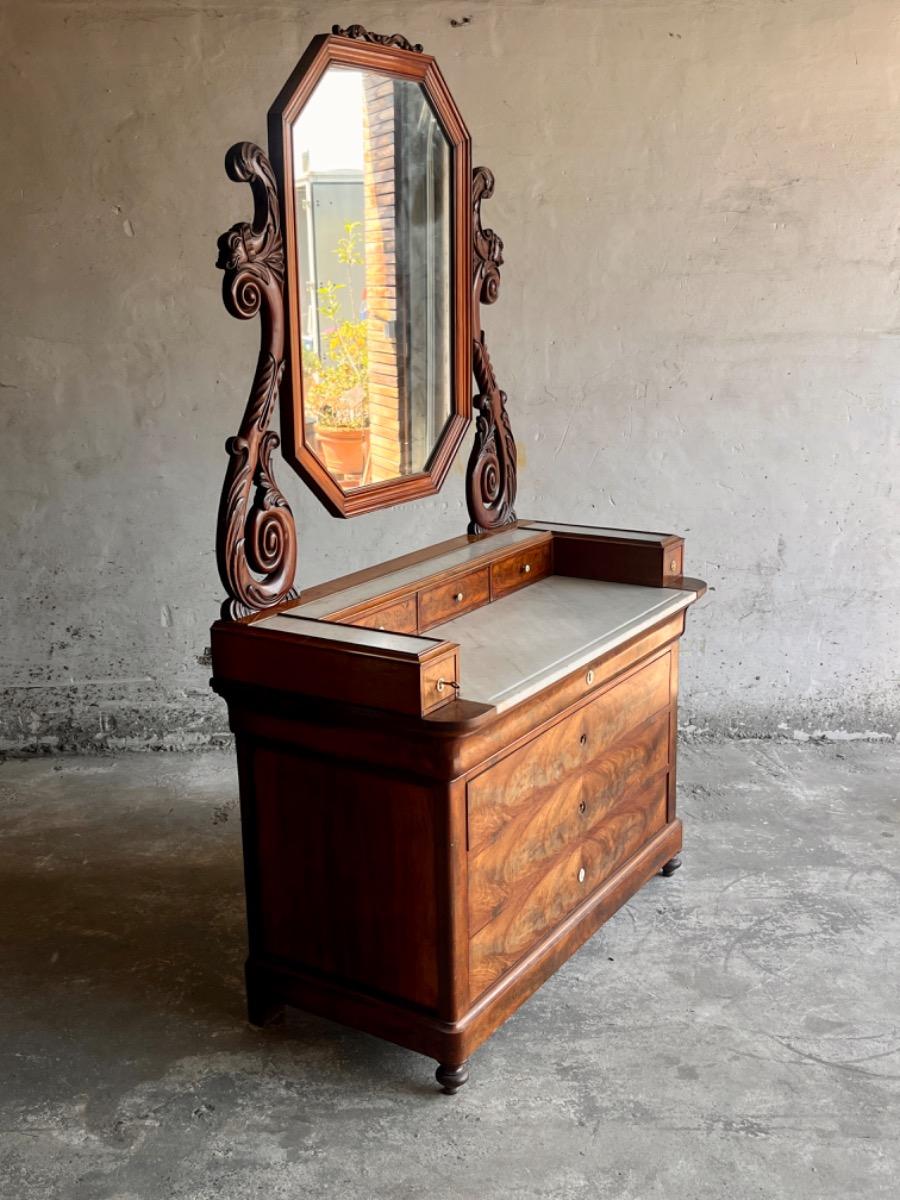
(514, 571)
(459, 595)
(418, 872)
(555, 819)
(498, 794)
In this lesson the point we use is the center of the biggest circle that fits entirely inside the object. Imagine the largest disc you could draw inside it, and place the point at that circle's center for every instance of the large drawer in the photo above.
(556, 818)
(506, 868)
(534, 908)
(497, 795)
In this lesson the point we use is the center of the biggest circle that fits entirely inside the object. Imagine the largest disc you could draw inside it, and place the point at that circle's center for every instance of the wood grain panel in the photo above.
(453, 598)
(537, 908)
(518, 570)
(499, 793)
(440, 682)
(556, 819)
(342, 873)
(400, 617)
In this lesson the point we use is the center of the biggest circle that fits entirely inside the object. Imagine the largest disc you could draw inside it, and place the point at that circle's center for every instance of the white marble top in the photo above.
(514, 647)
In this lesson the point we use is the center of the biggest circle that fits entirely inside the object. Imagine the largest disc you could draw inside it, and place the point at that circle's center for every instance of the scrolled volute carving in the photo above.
(359, 33)
(256, 539)
(491, 472)
(487, 245)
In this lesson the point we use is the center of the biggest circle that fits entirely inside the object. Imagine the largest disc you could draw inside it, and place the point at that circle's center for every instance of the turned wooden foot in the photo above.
(262, 1011)
(451, 1078)
(671, 866)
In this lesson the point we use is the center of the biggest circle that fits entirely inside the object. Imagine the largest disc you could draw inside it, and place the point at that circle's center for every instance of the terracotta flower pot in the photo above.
(344, 450)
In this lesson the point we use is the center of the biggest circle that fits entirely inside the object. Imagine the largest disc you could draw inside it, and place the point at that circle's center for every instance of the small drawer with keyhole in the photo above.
(440, 682)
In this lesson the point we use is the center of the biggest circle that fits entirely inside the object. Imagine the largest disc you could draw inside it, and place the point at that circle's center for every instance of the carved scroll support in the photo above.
(491, 471)
(256, 539)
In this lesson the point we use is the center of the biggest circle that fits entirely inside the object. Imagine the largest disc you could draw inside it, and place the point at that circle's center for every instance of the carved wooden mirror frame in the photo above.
(256, 542)
(405, 62)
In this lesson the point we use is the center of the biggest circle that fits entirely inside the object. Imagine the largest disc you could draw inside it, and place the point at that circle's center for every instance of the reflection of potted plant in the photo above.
(336, 385)
(342, 431)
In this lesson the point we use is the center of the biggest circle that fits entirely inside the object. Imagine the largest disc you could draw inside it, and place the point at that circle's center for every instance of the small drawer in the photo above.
(399, 617)
(518, 570)
(445, 601)
(440, 682)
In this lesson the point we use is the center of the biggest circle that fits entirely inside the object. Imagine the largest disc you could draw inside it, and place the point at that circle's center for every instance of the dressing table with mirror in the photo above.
(456, 765)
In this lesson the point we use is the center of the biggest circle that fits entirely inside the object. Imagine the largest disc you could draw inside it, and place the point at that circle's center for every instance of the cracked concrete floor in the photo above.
(734, 1031)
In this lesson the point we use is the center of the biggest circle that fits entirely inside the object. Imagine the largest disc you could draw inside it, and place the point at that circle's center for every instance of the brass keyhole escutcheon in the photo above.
(582, 807)
(673, 565)
(526, 570)
(581, 875)
(458, 597)
(589, 678)
(583, 739)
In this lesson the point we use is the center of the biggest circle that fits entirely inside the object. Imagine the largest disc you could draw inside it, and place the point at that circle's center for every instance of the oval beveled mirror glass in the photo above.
(376, 178)
(372, 211)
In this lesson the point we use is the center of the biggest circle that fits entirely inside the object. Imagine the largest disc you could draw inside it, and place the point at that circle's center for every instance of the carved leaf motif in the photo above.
(491, 472)
(361, 34)
(255, 538)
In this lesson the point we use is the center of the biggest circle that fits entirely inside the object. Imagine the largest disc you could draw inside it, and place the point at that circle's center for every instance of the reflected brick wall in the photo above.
(387, 432)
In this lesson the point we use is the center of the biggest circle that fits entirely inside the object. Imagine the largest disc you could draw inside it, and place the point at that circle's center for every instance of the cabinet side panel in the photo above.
(345, 873)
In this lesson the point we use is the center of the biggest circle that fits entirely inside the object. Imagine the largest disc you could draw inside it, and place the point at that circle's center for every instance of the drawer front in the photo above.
(399, 617)
(440, 682)
(447, 600)
(507, 867)
(536, 908)
(503, 791)
(518, 570)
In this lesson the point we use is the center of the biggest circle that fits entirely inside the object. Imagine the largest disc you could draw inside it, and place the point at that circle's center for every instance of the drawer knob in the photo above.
(589, 678)
(526, 570)
(581, 874)
(458, 597)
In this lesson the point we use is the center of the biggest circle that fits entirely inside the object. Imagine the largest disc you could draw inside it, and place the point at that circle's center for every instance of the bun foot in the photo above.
(452, 1078)
(261, 1011)
(671, 866)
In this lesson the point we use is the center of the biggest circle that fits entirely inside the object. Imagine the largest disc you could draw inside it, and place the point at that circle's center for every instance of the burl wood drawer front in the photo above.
(517, 782)
(517, 570)
(447, 600)
(507, 867)
(536, 907)
(400, 617)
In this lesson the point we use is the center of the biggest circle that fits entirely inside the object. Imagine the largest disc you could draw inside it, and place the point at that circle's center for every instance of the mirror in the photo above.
(378, 274)
(372, 207)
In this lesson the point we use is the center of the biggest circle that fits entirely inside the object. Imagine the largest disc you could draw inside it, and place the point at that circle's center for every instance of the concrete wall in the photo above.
(699, 331)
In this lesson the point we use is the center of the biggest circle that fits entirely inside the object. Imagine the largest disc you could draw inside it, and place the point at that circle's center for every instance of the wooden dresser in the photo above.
(453, 769)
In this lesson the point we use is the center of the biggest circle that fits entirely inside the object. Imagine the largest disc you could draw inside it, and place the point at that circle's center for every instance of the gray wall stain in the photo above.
(697, 331)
